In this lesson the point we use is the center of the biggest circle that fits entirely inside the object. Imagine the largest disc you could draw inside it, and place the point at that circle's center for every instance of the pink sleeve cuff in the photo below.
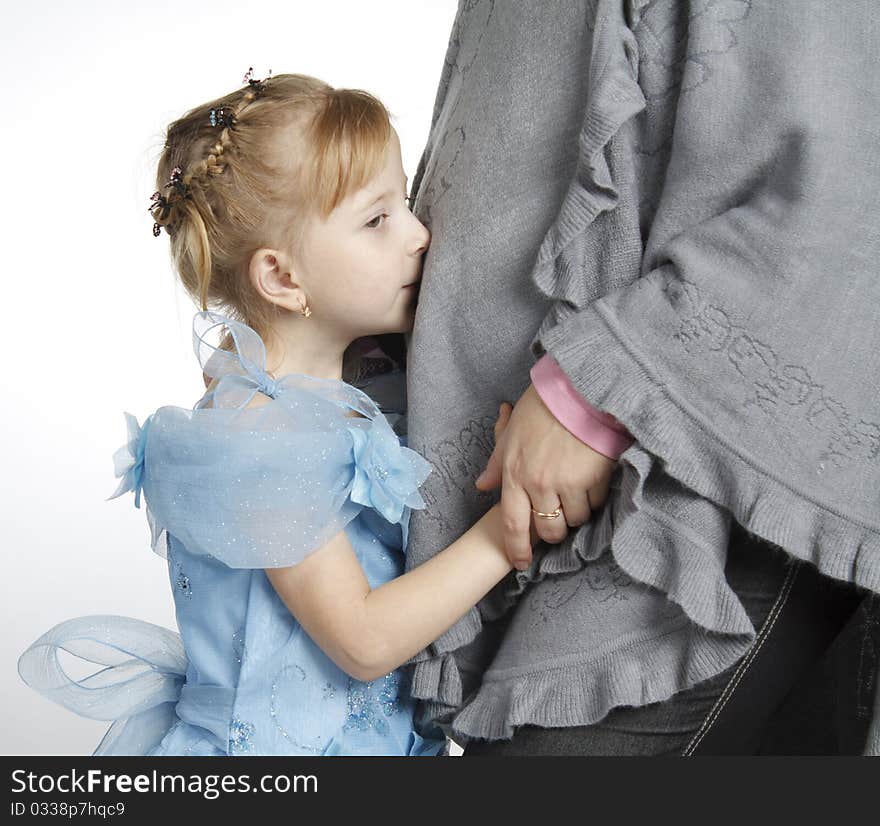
(596, 428)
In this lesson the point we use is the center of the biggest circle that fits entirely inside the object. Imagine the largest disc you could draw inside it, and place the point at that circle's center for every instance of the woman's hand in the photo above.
(540, 465)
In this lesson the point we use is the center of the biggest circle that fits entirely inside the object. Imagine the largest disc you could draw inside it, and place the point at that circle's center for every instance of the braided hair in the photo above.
(228, 184)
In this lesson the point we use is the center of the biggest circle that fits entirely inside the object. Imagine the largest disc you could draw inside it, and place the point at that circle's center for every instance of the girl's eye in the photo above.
(374, 223)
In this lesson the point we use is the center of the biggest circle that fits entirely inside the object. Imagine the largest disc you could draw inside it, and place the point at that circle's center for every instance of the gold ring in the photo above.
(551, 515)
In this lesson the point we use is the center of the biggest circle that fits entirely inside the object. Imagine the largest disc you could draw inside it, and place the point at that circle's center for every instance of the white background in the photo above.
(93, 322)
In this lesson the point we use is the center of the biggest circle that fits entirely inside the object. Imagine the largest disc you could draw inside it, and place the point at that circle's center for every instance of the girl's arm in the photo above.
(368, 633)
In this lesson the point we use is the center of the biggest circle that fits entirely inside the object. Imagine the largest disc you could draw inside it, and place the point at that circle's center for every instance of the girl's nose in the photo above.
(423, 237)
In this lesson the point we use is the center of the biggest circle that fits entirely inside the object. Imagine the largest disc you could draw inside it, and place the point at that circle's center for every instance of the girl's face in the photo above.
(361, 265)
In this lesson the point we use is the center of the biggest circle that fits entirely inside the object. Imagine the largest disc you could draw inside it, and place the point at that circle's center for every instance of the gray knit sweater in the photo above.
(678, 201)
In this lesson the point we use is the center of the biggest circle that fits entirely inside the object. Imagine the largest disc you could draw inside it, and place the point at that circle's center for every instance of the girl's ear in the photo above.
(272, 276)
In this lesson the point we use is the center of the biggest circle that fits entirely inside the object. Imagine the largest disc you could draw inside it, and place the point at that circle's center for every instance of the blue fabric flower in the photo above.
(128, 461)
(386, 475)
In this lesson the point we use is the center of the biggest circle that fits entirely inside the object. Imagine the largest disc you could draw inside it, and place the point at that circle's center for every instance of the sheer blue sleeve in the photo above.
(263, 487)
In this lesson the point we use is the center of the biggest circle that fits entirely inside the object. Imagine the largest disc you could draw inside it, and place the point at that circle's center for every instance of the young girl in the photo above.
(281, 500)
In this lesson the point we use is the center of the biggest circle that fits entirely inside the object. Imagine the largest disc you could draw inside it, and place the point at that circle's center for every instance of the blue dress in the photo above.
(230, 491)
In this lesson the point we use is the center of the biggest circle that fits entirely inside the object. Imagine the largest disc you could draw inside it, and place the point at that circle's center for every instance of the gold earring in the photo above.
(304, 309)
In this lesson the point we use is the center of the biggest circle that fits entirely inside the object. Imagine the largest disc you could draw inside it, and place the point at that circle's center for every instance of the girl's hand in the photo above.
(501, 423)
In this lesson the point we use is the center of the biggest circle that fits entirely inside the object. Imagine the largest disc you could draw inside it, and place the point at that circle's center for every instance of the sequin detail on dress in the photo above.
(362, 703)
(240, 734)
(238, 644)
(182, 582)
(289, 672)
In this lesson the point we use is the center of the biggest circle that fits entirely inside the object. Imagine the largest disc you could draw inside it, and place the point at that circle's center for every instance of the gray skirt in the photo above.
(806, 686)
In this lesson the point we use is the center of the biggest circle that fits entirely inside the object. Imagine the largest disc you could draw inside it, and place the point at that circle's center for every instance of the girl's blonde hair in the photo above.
(228, 184)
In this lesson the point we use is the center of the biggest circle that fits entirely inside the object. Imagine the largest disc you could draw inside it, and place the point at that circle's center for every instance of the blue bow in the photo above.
(234, 390)
(240, 372)
(386, 474)
(139, 683)
(128, 461)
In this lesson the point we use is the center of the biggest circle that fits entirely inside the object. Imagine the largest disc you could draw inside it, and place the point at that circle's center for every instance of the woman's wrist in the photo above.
(596, 428)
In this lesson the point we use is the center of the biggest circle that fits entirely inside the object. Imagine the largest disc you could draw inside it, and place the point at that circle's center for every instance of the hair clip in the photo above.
(221, 117)
(176, 181)
(256, 85)
(157, 200)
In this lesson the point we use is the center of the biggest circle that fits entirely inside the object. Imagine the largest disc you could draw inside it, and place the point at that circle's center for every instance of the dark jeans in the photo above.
(805, 687)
